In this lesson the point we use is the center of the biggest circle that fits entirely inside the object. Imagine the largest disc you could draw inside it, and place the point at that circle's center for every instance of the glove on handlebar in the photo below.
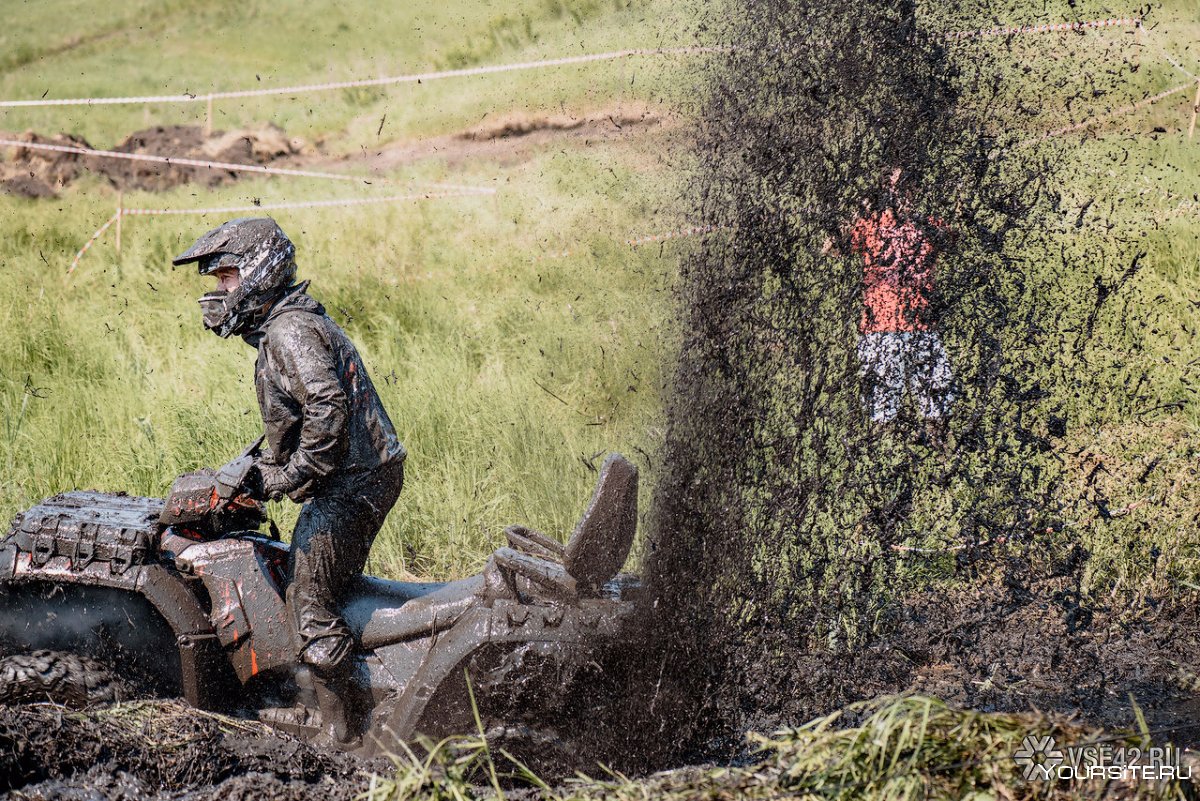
(255, 478)
(273, 481)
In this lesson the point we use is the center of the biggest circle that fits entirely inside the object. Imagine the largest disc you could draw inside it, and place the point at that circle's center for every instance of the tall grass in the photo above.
(505, 373)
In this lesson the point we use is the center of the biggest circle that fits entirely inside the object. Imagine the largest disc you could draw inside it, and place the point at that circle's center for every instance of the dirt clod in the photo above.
(27, 186)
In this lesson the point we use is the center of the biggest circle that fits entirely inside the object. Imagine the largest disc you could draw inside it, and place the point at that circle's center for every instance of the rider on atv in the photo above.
(332, 446)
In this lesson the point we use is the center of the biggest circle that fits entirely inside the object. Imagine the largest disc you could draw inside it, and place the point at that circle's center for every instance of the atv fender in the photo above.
(566, 613)
(202, 666)
(238, 582)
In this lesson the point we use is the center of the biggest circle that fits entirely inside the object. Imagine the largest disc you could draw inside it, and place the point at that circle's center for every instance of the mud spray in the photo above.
(804, 557)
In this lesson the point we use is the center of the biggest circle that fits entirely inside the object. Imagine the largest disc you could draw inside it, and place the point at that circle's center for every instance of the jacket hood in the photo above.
(295, 298)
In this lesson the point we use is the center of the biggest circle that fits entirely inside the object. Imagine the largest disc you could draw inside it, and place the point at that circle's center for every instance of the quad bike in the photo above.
(185, 597)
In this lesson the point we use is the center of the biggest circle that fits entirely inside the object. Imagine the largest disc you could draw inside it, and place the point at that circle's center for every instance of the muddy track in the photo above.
(163, 750)
(985, 647)
(513, 138)
(988, 646)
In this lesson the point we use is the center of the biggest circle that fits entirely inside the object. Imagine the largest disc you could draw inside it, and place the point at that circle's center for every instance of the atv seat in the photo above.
(380, 612)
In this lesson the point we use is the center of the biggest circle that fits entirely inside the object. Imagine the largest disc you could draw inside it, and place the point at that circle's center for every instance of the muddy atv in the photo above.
(104, 595)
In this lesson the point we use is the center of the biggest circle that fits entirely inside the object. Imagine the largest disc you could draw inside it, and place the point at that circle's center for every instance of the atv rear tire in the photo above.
(62, 678)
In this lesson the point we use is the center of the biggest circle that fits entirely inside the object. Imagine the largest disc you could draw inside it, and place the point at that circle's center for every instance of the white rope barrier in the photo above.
(684, 232)
(87, 246)
(1174, 62)
(325, 87)
(493, 69)
(636, 242)
(307, 204)
(1064, 27)
(1090, 121)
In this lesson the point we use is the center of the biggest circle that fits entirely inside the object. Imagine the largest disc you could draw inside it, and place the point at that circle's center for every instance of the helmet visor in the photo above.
(209, 264)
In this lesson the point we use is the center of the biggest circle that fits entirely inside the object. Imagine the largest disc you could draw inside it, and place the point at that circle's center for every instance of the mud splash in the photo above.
(806, 555)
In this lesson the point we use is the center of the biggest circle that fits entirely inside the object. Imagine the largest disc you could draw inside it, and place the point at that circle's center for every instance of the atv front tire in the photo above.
(62, 678)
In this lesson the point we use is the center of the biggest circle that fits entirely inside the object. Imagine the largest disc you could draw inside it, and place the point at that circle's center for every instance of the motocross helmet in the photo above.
(266, 263)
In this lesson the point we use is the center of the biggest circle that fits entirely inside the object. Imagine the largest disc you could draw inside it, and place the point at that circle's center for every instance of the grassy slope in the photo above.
(108, 381)
(191, 47)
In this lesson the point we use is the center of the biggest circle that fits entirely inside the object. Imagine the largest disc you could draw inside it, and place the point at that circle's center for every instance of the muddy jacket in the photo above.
(898, 270)
(325, 424)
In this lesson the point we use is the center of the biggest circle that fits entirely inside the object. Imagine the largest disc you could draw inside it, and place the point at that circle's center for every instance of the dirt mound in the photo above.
(39, 173)
(516, 137)
(522, 124)
(161, 750)
(27, 186)
(259, 146)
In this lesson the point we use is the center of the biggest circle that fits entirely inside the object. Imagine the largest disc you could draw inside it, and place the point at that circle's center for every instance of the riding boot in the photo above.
(340, 717)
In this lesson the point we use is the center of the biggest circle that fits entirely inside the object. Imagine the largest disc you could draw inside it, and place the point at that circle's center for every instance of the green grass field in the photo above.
(187, 47)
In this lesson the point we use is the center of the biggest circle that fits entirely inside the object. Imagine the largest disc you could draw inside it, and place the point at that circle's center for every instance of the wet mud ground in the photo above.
(991, 647)
(994, 648)
(163, 751)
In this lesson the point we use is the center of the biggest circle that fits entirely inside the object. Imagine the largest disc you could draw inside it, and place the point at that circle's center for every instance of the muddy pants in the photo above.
(916, 360)
(329, 550)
